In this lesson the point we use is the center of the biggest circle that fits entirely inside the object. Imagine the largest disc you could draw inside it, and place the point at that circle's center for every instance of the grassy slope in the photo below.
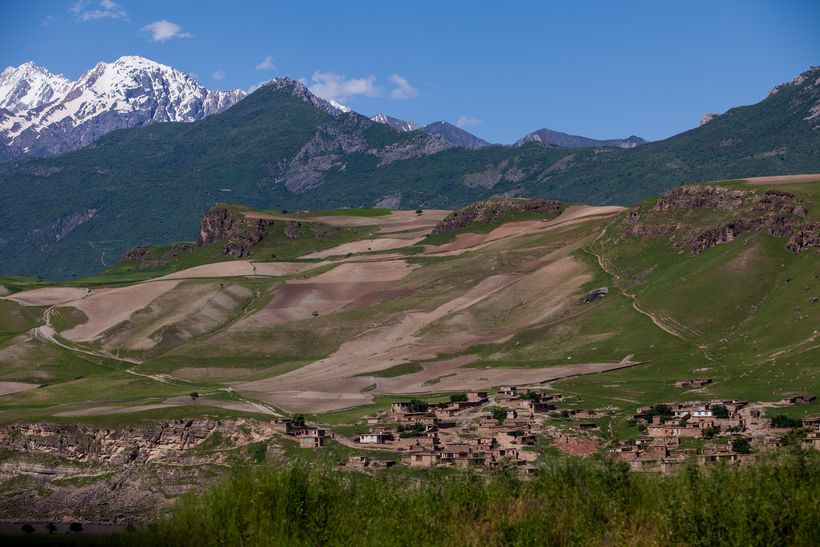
(744, 325)
(152, 184)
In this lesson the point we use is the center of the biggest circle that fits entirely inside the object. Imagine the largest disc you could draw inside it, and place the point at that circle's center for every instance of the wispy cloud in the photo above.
(48, 20)
(403, 88)
(86, 10)
(266, 64)
(332, 86)
(218, 74)
(163, 30)
(466, 121)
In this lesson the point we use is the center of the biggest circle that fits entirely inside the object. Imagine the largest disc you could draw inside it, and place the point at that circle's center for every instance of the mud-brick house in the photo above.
(379, 437)
(422, 459)
(799, 399)
(813, 422)
(675, 428)
(312, 438)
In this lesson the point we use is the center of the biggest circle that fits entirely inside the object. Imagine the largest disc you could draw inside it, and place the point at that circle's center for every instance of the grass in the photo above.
(396, 370)
(570, 502)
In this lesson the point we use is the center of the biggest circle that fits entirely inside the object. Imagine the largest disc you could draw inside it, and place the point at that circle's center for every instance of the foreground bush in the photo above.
(775, 502)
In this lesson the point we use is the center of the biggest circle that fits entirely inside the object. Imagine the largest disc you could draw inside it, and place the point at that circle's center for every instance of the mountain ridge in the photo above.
(277, 148)
(60, 115)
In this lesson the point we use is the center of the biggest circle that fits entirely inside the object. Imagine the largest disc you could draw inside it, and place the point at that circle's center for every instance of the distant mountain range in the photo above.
(563, 140)
(43, 114)
(283, 147)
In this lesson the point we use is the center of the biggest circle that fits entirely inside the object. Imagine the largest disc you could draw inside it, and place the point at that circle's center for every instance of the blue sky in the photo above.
(601, 69)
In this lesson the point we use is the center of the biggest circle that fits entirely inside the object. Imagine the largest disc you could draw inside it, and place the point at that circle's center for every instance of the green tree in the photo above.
(75, 527)
(416, 405)
(741, 445)
(720, 411)
(51, 528)
(194, 396)
(27, 529)
(298, 420)
(499, 414)
(781, 420)
(458, 397)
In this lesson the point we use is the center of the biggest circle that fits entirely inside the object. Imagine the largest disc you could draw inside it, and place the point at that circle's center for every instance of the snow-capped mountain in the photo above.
(54, 115)
(395, 123)
(29, 86)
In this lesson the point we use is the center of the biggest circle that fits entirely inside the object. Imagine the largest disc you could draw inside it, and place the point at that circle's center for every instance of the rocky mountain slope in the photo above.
(29, 86)
(284, 147)
(455, 135)
(548, 137)
(395, 123)
(47, 114)
(445, 130)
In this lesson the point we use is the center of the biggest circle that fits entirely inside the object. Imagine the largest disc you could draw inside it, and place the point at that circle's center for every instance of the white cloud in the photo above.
(163, 30)
(218, 74)
(266, 64)
(403, 88)
(48, 20)
(466, 121)
(332, 86)
(86, 10)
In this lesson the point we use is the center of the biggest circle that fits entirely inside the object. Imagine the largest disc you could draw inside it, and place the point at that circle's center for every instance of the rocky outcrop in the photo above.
(293, 230)
(146, 259)
(717, 198)
(723, 233)
(239, 232)
(491, 210)
(117, 475)
(596, 294)
(781, 214)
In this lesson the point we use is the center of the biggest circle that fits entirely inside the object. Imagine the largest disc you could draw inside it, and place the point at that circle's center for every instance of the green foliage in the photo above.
(458, 397)
(659, 410)
(152, 184)
(741, 445)
(298, 420)
(589, 503)
(498, 413)
(781, 420)
(417, 405)
(720, 411)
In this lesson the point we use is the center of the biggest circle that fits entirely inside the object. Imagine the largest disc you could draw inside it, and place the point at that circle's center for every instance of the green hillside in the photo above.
(72, 215)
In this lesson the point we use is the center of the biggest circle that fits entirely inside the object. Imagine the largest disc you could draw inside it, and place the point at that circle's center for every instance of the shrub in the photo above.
(499, 413)
(569, 502)
(781, 420)
(416, 405)
(741, 445)
(720, 411)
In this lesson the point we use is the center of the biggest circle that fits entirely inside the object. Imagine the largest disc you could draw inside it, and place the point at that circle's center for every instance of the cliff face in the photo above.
(239, 232)
(781, 214)
(487, 211)
(67, 472)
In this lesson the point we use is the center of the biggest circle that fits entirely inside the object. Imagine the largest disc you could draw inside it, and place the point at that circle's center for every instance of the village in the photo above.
(509, 430)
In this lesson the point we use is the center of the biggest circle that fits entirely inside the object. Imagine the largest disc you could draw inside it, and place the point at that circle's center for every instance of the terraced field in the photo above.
(337, 313)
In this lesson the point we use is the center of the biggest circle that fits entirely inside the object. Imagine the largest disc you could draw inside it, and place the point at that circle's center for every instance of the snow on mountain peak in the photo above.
(29, 86)
(50, 114)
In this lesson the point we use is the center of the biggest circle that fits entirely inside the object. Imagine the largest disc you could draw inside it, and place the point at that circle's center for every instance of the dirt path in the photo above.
(48, 296)
(783, 179)
(666, 327)
(7, 388)
(473, 241)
